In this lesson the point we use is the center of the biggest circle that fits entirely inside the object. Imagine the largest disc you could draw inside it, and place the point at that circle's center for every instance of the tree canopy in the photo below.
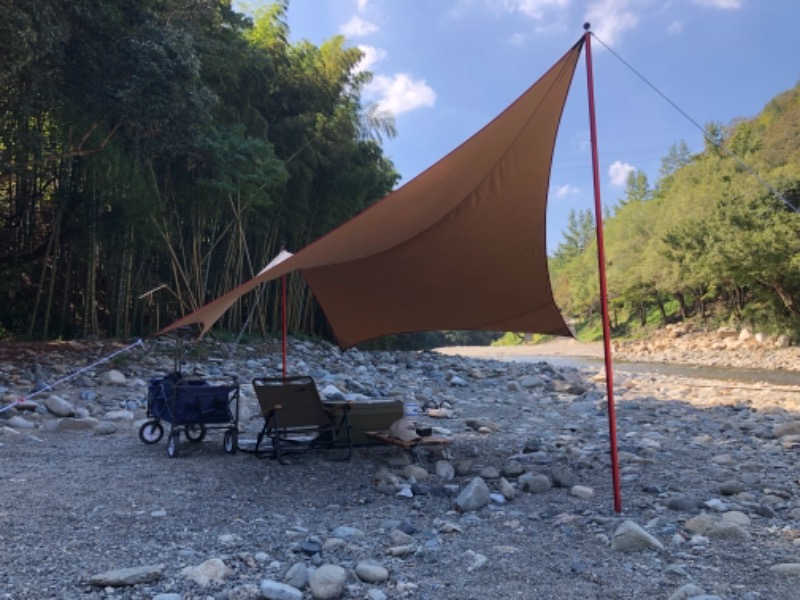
(154, 154)
(709, 238)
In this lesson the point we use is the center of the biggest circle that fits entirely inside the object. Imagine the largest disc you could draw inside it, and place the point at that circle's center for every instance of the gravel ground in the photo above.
(74, 504)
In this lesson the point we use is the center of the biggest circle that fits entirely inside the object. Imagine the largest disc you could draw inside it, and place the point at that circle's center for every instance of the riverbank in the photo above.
(558, 347)
(723, 348)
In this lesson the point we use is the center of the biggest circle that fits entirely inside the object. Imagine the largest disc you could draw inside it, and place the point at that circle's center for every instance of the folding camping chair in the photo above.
(296, 419)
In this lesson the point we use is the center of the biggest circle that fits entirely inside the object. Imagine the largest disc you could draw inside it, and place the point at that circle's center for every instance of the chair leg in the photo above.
(349, 439)
(265, 433)
(276, 448)
(258, 452)
(343, 426)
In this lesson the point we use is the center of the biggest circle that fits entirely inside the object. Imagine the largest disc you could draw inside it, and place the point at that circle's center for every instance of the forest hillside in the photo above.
(715, 240)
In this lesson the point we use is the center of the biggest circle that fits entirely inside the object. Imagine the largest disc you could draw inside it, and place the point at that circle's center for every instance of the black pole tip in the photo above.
(587, 26)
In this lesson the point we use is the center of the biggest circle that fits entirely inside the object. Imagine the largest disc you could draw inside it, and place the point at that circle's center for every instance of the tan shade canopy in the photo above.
(461, 246)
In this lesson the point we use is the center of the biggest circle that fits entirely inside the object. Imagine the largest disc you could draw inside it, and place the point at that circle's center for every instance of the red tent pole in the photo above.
(283, 320)
(601, 260)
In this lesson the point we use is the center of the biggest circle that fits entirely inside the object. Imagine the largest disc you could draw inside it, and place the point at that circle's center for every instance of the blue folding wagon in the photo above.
(191, 407)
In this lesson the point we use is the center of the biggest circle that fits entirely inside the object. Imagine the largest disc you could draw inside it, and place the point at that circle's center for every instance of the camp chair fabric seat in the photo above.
(295, 418)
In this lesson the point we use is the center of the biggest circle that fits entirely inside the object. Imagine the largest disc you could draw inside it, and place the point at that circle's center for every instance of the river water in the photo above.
(752, 376)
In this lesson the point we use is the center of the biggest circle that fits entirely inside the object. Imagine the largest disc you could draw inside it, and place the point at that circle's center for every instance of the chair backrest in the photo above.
(295, 400)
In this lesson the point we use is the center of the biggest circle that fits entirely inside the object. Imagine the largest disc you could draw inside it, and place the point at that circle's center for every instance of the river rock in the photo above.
(415, 472)
(474, 496)
(327, 582)
(513, 469)
(725, 530)
(784, 429)
(687, 592)
(786, 568)
(128, 576)
(297, 576)
(372, 572)
(18, 422)
(701, 523)
(105, 428)
(630, 537)
(738, 517)
(212, 570)
(684, 503)
(582, 491)
(59, 407)
(275, 590)
(731, 487)
(119, 415)
(444, 470)
(563, 476)
(87, 424)
(506, 489)
(535, 484)
(113, 377)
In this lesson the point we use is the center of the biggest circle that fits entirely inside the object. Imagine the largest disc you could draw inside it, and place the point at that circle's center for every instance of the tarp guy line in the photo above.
(702, 129)
(74, 375)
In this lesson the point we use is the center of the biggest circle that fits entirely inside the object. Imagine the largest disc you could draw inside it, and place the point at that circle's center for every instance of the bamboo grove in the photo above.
(708, 242)
(155, 154)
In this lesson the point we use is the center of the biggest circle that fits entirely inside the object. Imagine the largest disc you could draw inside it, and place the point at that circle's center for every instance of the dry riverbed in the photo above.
(520, 507)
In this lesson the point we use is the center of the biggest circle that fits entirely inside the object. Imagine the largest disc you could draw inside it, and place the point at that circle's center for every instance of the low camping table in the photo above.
(412, 446)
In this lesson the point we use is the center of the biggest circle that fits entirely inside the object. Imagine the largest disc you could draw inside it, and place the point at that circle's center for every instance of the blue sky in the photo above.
(445, 68)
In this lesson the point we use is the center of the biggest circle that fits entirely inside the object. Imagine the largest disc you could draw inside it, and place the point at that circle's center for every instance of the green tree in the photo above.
(577, 237)
(637, 188)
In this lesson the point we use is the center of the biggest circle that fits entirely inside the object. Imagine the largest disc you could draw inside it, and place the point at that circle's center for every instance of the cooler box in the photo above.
(372, 415)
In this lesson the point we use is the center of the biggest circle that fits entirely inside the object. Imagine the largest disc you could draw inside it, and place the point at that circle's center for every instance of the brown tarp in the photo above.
(461, 246)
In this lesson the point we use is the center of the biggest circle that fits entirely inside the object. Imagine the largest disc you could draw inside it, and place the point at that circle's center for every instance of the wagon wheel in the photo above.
(231, 441)
(172, 444)
(196, 433)
(151, 432)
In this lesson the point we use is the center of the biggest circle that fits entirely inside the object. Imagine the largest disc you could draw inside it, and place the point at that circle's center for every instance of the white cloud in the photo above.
(518, 39)
(536, 9)
(358, 27)
(396, 93)
(400, 93)
(550, 16)
(721, 4)
(553, 27)
(675, 27)
(562, 191)
(372, 55)
(611, 18)
(618, 172)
